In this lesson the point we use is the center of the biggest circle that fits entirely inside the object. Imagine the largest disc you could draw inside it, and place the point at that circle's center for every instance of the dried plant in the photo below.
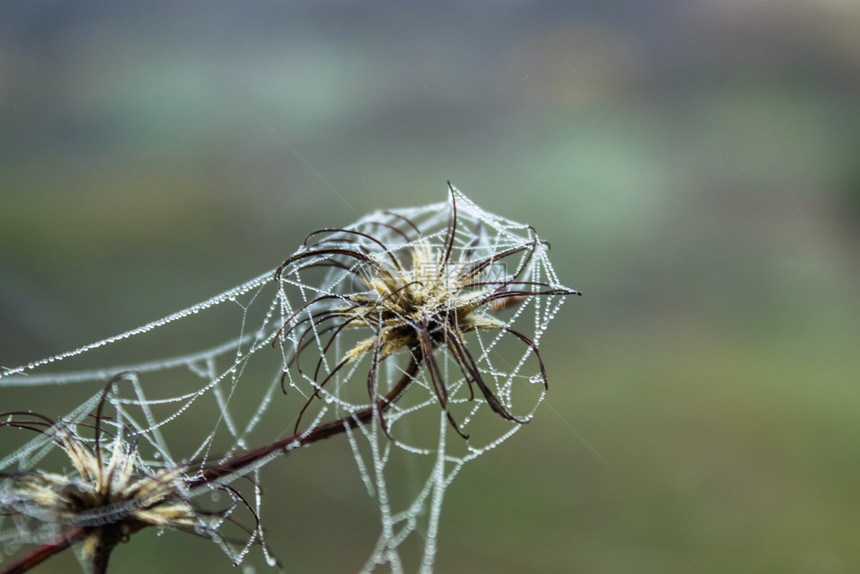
(111, 495)
(411, 290)
(428, 303)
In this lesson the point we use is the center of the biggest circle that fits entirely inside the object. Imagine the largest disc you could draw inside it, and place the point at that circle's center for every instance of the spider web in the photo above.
(204, 408)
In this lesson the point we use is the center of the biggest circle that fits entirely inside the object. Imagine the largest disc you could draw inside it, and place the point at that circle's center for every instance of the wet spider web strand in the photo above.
(216, 376)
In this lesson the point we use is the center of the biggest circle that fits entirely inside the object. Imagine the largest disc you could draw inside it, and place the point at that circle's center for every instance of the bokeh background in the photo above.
(693, 163)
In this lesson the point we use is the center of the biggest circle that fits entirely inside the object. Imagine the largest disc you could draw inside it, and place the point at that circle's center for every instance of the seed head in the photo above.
(413, 291)
(109, 494)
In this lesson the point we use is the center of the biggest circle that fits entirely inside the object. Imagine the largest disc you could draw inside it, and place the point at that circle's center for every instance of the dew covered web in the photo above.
(411, 335)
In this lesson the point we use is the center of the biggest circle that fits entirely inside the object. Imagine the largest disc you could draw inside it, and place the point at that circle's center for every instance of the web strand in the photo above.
(414, 332)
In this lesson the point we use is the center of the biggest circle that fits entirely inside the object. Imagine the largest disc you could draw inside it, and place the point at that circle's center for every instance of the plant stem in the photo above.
(231, 466)
(43, 552)
(242, 461)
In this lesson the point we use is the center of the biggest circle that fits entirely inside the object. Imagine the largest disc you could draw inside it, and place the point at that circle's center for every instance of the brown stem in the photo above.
(230, 466)
(43, 552)
(320, 432)
(106, 539)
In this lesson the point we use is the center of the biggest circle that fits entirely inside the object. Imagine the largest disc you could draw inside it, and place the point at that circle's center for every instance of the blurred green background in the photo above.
(693, 163)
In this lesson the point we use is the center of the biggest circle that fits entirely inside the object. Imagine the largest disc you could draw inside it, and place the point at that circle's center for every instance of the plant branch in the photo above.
(232, 466)
(43, 552)
(323, 431)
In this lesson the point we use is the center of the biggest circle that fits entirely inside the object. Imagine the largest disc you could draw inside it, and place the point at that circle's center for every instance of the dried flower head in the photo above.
(111, 494)
(422, 293)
